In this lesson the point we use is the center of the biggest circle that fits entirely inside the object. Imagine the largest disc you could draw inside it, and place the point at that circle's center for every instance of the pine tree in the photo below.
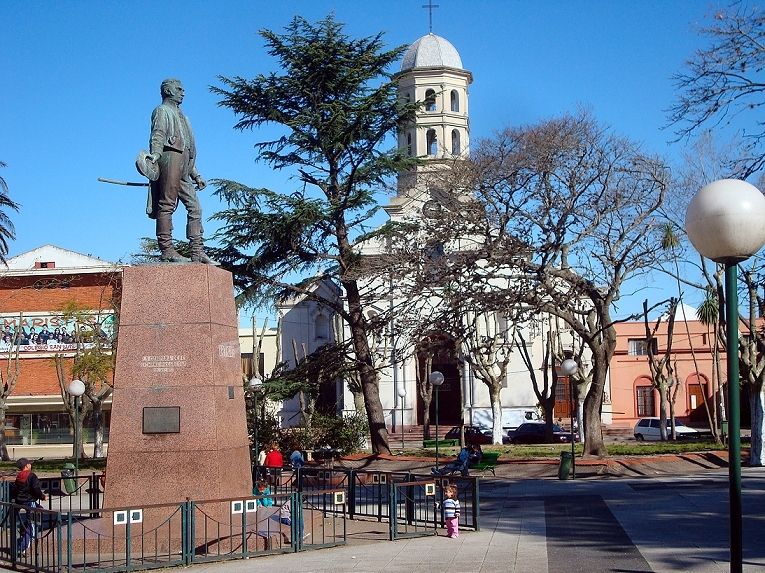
(337, 105)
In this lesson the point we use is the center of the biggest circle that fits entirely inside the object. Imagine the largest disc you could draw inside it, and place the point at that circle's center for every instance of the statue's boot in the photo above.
(165, 242)
(194, 234)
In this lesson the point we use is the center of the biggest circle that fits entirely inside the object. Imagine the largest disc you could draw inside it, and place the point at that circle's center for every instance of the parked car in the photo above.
(649, 429)
(534, 433)
(473, 435)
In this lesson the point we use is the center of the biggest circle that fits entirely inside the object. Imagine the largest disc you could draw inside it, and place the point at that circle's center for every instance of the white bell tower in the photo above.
(432, 72)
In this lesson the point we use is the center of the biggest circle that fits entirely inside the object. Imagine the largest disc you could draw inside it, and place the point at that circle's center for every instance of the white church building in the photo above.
(431, 71)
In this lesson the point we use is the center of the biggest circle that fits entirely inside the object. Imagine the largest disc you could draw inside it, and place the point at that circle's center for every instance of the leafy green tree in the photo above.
(7, 231)
(93, 364)
(336, 104)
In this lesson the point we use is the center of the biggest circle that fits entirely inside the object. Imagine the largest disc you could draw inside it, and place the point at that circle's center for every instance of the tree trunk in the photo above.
(98, 429)
(3, 446)
(580, 418)
(757, 403)
(664, 405)
(427, 398)
(367, 374)
(358, 401)
(548, 408)
(496, 412)
(593, 429)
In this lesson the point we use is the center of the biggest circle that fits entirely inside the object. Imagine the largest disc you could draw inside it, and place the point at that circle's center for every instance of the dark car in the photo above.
(473, 435)
(534, 433)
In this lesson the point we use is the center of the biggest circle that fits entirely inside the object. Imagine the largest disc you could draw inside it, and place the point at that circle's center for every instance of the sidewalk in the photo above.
(662, 524)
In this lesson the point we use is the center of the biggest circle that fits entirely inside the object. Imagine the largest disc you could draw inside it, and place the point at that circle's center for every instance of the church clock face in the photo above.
(431, 209)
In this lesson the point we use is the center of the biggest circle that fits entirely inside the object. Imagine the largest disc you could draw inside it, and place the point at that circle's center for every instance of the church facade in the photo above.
(432, 72)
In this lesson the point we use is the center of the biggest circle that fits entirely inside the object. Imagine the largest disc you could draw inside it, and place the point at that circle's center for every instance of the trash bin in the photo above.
(564, 470)
(68, 477)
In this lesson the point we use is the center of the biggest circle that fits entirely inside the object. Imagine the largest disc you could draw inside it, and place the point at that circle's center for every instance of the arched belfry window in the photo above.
(456, 146)
(455, 97)
(409, 149)
(430, 100)
(432, 142)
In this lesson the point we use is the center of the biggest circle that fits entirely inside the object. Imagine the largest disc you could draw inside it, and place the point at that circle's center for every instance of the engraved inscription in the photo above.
(164, 363)
(228, 349)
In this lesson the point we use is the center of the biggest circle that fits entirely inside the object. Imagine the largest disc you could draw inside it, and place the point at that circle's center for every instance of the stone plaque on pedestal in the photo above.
(178, 350)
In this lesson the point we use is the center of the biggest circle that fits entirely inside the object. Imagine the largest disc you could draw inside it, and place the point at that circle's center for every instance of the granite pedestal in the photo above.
(178, 350)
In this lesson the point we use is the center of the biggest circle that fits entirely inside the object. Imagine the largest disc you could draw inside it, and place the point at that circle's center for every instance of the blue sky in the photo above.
(79, 81)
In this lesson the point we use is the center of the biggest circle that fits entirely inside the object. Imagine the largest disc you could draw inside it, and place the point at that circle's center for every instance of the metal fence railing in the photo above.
(306, 509)
(155, 536)
(368, 492)
(413, 509)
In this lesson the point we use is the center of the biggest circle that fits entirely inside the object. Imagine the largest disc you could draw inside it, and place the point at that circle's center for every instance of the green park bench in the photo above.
(441, 443)
(488, 463)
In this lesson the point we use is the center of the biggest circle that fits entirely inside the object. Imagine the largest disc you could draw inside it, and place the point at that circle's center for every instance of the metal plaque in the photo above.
(165, 420)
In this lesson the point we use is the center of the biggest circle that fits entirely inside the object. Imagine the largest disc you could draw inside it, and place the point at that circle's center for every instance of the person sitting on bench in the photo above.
(458, 465)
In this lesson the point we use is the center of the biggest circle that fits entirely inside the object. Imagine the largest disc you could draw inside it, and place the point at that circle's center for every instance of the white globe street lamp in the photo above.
(725, 222)
(436, 379)
(402, 399)
(76, 388)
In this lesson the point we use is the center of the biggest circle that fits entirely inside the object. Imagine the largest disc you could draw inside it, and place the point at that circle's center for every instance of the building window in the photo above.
(432, 142)
(645, 401)
(430, 100)
(455, 97)
(639, 347)
(456, 149)
(322, 327)
(409, 144)
(45, 265)
(249, 369)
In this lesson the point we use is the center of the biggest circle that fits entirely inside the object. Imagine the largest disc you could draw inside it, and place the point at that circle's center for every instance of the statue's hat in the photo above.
(147, 166)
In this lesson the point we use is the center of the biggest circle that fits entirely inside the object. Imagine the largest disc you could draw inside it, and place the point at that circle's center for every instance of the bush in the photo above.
(346, 434)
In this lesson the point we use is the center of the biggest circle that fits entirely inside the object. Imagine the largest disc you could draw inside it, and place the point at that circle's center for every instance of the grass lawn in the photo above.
(517, 452)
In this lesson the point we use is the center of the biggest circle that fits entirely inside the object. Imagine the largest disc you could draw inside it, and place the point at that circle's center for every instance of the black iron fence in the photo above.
(154, 536)
(305, 509)
(369, 492)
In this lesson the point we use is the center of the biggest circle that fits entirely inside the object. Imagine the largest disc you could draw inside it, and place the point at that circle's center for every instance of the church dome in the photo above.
(431, 51)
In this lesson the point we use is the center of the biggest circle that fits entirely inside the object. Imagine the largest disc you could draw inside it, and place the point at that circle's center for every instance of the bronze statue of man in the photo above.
(170, 165)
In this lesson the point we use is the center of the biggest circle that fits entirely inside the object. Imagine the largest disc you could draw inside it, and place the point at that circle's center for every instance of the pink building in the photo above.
(632, 393)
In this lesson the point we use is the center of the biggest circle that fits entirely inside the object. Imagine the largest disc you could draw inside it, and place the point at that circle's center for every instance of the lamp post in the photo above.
(725, 222)
(255, 384)
(568, 368)
(76, 389)
(402, 398)
(436, 378)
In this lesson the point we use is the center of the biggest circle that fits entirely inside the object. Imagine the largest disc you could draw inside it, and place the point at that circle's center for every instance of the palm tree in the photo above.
(6, 226)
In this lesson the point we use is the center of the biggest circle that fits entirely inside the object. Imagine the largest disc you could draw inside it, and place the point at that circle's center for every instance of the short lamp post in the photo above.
(402, 399)
(725, 222)
(255, 383)
(76, 389)
(568, 368)
(436, 379)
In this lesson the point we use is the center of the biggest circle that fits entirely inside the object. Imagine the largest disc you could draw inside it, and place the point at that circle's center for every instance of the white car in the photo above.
(649, 429)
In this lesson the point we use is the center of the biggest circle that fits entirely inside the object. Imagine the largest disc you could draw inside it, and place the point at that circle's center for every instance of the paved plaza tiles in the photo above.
(660, 524)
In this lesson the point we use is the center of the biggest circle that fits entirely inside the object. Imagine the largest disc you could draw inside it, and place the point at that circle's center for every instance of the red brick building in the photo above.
(34, 287)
